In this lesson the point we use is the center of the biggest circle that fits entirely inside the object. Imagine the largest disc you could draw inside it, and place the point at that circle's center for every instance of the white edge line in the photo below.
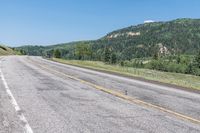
(26, 126)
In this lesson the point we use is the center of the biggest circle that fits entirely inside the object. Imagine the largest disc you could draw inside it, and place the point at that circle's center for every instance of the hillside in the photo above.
(179, 36)
(173, 37)
(5, 50)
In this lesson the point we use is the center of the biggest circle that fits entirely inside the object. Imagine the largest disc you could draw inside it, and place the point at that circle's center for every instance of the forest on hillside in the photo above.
(171, 46)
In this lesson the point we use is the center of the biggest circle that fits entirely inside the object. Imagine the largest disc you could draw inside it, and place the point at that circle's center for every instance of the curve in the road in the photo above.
(120, 95)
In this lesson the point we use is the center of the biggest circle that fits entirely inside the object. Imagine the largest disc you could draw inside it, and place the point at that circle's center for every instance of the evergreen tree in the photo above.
(155, 56)
(107, 55)
(57, 53)
(190, 69)
(178, 59)
(22, 52)
(194, 67)
(113, 58)
(197, 60)
(122, 63)
(83, 51)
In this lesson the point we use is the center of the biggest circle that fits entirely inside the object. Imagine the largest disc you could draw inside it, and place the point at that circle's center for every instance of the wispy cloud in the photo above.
(149, 21)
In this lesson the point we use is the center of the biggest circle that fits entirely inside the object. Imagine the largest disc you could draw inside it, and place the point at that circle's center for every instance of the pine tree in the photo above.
(178, 59)
(107, 55)
(57, 53)
(155, 56)
(197, 60)
(113, 58)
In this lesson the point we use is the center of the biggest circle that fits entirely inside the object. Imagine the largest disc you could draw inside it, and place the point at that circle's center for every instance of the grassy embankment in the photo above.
(6, 51)
(184, 80)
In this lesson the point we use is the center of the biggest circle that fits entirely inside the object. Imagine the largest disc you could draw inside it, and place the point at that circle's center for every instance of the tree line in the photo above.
(186, 64)
(180, 37)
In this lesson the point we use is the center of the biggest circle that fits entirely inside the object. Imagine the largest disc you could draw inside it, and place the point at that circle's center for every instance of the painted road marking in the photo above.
(26, 126)
(120, 95)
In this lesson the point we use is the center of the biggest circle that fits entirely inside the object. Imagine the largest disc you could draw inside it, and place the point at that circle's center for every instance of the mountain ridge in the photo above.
(180, 36)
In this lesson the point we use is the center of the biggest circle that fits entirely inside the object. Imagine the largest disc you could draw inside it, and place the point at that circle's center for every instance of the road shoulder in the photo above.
(132, 77)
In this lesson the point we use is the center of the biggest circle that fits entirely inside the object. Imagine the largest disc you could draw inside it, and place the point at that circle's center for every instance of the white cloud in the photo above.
(149, 21)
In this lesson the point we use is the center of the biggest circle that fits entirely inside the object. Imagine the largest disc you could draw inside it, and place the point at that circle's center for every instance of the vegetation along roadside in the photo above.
(183, 80)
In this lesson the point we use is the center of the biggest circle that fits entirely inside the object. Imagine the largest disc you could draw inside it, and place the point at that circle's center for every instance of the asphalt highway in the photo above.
(41, 96)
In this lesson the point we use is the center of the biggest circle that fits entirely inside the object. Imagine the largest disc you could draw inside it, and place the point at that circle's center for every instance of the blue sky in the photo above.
(45, 22)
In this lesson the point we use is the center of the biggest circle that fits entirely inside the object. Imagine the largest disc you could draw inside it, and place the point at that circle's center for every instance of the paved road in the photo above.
(37, 96)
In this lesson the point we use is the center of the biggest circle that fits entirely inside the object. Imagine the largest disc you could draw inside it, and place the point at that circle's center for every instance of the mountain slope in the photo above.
(5, 50)
(178, 36)
(181, 36)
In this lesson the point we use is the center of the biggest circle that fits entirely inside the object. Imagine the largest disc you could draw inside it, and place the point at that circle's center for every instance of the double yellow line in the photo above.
(120, 95)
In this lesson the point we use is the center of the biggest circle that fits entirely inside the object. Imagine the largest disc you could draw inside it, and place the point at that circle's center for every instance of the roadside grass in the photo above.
(5, 50)
(183, 80)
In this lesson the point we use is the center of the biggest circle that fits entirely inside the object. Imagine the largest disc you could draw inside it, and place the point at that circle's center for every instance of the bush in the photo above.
(122, 63)
(134, 63)
(174, 67)
(191, 69)
(156, 65)
(166, 66)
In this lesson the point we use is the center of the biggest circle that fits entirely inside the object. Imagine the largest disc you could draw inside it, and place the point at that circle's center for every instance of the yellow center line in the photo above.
(121, 95)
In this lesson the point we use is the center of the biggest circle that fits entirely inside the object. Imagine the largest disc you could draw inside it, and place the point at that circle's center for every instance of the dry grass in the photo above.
(183, 80)
(5, 50)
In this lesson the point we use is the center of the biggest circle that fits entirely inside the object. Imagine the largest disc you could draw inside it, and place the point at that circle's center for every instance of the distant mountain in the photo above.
(181, 36)
(5, 50)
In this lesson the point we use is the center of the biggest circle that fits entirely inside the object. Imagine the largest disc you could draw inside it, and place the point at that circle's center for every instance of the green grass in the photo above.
(5, 50)
(184, 80)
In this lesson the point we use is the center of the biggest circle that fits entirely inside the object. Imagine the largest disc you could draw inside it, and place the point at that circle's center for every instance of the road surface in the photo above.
(41, 96)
